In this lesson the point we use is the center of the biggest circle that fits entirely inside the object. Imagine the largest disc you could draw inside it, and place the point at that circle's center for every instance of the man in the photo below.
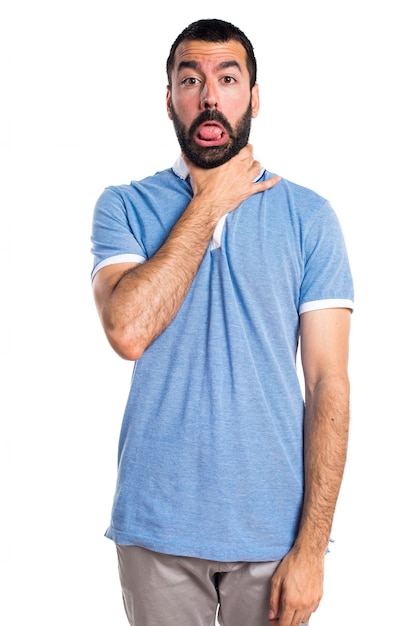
(206, 275)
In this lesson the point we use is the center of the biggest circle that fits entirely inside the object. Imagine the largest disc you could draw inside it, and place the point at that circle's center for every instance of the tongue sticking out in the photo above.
(210, 132)
(211, 135)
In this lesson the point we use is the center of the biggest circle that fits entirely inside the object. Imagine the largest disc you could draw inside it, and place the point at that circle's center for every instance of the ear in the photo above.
(255, 100)
(168, 102)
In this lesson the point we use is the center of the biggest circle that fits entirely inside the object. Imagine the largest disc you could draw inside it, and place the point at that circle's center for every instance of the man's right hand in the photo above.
(222, 189)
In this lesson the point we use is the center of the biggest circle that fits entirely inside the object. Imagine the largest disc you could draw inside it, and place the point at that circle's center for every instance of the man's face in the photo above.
(210, 101)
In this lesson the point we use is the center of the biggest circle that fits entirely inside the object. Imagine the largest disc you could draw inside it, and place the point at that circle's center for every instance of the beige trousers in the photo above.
(165, 590)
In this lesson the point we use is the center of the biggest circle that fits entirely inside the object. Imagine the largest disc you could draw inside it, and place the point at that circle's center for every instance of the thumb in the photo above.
(274, 602)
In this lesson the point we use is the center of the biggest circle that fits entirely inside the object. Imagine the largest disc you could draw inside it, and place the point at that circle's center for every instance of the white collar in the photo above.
(180, 168)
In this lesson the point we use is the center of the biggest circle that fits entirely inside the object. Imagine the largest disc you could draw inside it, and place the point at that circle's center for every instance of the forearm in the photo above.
(146, 298)
(137, 303)
(325, 450)
(297, 585)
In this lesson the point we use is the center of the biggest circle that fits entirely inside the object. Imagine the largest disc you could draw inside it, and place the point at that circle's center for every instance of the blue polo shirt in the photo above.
(210, 460)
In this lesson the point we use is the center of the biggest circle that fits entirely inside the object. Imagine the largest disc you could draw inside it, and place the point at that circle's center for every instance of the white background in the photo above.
(83, 106)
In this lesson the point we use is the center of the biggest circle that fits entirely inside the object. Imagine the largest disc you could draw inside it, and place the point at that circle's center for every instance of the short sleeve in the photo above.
(327, 280)
(113, 240)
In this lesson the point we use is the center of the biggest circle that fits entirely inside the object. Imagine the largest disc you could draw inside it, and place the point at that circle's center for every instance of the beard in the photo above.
(214, 156)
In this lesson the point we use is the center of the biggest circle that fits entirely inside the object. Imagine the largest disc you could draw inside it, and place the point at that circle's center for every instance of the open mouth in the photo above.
(211, 134)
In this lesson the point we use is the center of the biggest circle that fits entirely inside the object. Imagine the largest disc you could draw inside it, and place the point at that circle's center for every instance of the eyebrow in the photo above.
(196, 66)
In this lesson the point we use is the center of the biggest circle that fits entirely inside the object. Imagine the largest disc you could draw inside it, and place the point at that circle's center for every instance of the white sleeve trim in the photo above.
(332, 303)
(120, 258)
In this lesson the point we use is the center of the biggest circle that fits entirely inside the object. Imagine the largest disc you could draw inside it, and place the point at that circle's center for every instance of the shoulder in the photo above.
(297, 194)
(157, 189)
(159, 179)
(302, 204)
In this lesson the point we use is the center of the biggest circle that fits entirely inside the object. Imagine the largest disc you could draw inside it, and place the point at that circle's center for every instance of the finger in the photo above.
(299, 619)
(246, 153)
(288, 618)
(274, 601)
(263, 185)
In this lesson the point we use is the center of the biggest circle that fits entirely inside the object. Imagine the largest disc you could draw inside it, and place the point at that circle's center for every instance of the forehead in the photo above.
(207, 54)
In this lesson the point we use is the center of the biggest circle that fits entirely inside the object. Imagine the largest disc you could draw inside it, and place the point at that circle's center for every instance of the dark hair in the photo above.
(215, 31)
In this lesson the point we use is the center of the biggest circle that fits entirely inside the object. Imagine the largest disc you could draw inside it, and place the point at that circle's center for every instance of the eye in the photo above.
(190, 81)
(228, 80)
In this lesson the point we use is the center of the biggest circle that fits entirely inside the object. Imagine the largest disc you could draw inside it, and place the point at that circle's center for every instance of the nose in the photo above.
(208, 97)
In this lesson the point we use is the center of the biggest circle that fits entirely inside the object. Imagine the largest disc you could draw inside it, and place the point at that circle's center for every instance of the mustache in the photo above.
(211, 115)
